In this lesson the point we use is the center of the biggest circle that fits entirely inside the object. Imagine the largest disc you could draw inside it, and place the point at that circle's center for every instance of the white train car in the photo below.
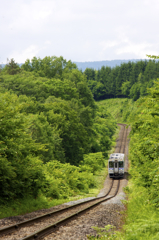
(116, 165)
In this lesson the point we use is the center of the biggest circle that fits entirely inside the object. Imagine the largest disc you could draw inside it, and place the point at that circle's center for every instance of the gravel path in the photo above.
(79, 229)
(4, 222)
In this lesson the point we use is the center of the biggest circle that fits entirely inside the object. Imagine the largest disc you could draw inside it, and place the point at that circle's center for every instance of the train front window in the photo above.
(111, 164)
(121, 164)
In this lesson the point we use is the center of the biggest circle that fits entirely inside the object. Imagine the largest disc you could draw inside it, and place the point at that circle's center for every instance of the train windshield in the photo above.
(111, 165)
(121, 164)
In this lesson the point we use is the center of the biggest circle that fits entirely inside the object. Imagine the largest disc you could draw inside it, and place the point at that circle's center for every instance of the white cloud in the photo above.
(108, 44)
(47, 42)
(27, 53)
(79, 30)
(138, 49)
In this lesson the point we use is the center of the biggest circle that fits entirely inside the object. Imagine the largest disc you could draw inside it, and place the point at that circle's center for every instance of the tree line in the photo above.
(129, 80)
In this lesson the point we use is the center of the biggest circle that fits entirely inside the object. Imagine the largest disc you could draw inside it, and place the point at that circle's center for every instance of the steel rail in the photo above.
(124, 138)
(51, 228)
(122, 141)
(14, 227)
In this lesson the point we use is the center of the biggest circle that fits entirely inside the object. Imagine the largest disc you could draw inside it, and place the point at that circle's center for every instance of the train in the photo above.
(116, 165)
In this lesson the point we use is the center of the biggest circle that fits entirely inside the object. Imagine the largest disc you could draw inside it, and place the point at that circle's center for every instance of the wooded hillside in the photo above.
(53, 136)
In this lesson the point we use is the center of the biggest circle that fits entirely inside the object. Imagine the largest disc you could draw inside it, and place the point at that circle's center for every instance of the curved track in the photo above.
(55, 219)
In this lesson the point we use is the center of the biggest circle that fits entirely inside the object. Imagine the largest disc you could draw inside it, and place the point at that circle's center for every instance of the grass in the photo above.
(114, 140)
(116, 107)
(28, 204)
(142, 220)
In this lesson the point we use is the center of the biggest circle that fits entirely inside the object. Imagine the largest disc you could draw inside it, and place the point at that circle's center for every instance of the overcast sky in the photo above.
(85, 30)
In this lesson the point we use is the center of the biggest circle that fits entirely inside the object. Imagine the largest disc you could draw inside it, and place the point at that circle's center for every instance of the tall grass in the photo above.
(27, 205)
(116, 107)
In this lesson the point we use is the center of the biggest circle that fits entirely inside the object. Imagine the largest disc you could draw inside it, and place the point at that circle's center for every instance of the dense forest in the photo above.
(53, 136)
(50, 122)
(129, 80)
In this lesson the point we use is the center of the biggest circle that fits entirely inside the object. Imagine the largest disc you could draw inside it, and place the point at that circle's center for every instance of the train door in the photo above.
(116, 168)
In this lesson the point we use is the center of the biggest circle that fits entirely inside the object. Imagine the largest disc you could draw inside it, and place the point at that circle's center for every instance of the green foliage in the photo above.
(65, 180)
(73, 124)
(53, 136)
(129, 80)
(103, 129)
(103, 233)
(142, 221)
(143, 205)
(27, 205)
(11, 67)
(142, 208)
(17, 150)
(68, 107)
(125, 88)
(117, 109)
(50, 67)
(144, 145)
(90, 73)
(93, 162)
(65, 112)
(38, 87)
(43, 132)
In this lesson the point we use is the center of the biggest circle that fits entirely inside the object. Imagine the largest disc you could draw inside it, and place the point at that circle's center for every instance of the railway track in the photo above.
(50, 222)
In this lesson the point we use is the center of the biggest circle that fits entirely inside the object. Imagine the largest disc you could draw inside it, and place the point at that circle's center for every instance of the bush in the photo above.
(93, 161)
(64, 180)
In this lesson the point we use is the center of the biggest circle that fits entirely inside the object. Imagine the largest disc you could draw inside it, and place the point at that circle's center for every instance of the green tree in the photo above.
(125, 88)
(12, 67)
(90, 73)
(50, 67)
(20, 167)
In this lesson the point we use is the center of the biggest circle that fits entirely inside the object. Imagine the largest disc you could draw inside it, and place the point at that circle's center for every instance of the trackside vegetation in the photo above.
(141, 217)
(54, 139)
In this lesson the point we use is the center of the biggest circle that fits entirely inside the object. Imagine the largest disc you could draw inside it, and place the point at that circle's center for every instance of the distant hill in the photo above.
(98, 64)
(2, 65)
